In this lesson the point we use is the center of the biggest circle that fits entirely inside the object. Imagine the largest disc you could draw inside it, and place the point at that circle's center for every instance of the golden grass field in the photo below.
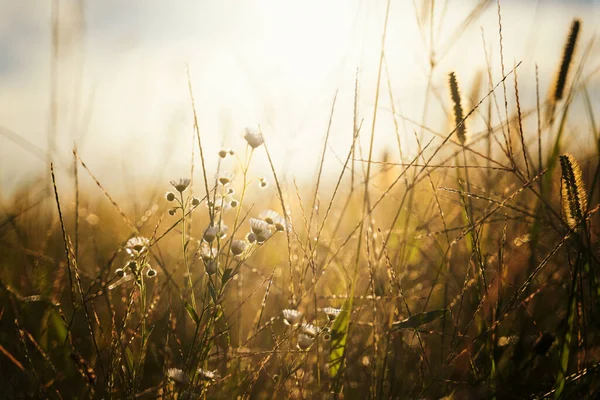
(468, 268)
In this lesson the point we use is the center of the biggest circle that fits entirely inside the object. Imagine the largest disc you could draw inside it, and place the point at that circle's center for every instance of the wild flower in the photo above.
(332, 313)
(253, 137)
(215, 231)
(195, 201)
(205, 375)
(207, 252)
(181, 185)
(225, 178)
(273, 218)
(177, 375)
(258, 225)
(309, 329)
(263, 236)
(137, 246)
(238, 247)
(291, 317)
(219, 203)
(251, 237)
(304, 341)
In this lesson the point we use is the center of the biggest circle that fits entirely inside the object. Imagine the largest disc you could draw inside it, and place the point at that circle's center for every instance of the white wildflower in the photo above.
(291, 317)
(238, 247)
(309, 329)
(177, 375)
(181, 185)
(253, 137)
(258, 225)
(332, 313)
(137, 246)
(206, 375)
(304, 341)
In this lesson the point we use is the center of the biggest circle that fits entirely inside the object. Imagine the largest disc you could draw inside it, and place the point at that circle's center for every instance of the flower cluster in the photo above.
(307, 332)
(137, 248)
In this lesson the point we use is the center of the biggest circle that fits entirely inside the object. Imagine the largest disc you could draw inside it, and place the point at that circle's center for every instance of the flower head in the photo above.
(263, 236)
(220, 203)
(332, 313)
(206, 375)
(238, 247)
(273, 218)
(177, 375)
(291, 317)
(207, 252)
(215, 231)
(225, 178)
(258, 225)
(223, 153)
(181, 185)
(253, 137)
(304, 341)
(309, 329)
(137, 246)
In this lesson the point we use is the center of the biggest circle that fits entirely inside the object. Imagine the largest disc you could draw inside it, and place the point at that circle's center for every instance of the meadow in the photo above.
(468, 268)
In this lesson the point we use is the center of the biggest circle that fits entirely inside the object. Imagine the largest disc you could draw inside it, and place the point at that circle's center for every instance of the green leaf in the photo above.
(226, 275)
(419, 319)
(129, 359)
(191, 312)
(339, 334)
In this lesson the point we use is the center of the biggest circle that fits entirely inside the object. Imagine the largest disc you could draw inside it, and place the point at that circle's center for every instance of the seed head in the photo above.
(210, 266)
(574, 195)
(120, 272)
(170, 196)
(223, 153)
(151, 273)
(461, 130)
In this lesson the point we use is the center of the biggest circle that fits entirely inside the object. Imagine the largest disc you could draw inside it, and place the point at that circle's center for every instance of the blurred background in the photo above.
(110, 77)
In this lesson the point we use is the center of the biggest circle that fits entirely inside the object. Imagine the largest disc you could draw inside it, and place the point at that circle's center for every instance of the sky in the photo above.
(121, 92)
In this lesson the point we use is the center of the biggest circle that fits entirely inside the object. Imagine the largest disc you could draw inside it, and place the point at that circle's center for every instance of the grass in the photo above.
(468, 269)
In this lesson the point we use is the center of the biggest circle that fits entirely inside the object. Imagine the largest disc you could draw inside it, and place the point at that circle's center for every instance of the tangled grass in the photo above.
(468, 271)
